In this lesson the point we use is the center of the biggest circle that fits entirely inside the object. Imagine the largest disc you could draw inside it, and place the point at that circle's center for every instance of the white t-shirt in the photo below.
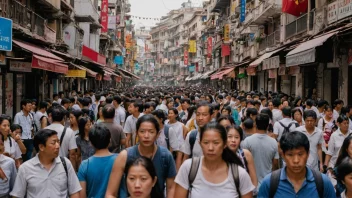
(197, 149)
(69, 141)
(176, 130)
(120, 115)
(13, 149)
(202, 188)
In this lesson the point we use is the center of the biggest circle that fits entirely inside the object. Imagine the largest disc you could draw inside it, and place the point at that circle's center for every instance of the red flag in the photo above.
(104, 15)
(294, 7)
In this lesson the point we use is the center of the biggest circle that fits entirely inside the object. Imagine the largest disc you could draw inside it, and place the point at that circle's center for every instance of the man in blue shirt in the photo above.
(295, 180)
(94, 173)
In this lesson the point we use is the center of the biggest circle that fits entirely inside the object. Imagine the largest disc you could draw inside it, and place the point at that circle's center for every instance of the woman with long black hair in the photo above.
(84, 147)
(218, 173)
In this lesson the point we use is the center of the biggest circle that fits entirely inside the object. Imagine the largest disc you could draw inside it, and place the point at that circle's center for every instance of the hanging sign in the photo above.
(104, 15)
(243, 11)
(192, 46)
(210, 46)
(227, 33)
(272, 73)
(185, 60)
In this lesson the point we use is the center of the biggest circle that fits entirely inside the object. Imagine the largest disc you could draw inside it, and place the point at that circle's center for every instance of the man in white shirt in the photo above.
(66, 136)
(135, 109)
(315, 137)
(338, 104)
(120, 114)
(277, 114)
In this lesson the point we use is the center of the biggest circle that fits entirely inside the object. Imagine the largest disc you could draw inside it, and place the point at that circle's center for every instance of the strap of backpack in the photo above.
(236, 178)
(192, 139)
(166, 132)
(318, 179)
(63, 135)
(64, 164)
(193, 172)
(274, 182)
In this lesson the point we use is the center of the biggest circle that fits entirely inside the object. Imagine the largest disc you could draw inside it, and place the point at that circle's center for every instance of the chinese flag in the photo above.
(294, 7)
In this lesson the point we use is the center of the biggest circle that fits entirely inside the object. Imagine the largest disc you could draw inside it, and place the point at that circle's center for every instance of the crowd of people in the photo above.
(176, 142)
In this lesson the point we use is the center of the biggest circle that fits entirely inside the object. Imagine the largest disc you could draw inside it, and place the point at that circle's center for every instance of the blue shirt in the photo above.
(95, 171)
(164, 166)
(286, 189)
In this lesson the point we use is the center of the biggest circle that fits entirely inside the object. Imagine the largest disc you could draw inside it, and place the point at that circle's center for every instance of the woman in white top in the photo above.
(75, 115)
(8, 171)
(11, 141)
(327, 124)
(336, 141)
(160, 116)
(214, 176)
(177, 130)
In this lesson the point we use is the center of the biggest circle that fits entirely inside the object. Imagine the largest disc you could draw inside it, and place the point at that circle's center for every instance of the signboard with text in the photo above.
(104, 15)
(5, 34)
(20, 66)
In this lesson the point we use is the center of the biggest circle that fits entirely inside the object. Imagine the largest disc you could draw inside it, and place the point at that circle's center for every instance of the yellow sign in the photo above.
(227, 32)
(76, 73)
(234, 5)
(192, 46)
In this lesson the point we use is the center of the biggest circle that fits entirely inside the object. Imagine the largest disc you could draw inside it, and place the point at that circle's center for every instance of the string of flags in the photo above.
(145, 18)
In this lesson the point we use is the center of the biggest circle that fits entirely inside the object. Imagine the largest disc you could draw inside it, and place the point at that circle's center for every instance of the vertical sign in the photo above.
(192, 46)
(104, 15)
(185, 60)
(243, 10)
(227, 32)
(210, 46)
(5, 34)
(332, 12)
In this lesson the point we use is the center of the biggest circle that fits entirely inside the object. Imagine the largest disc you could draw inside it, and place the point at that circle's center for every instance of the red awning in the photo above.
(48, 64)
(221, 73)
(37, 50)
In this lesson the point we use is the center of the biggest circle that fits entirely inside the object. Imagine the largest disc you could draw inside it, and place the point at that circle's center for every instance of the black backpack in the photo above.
(192, 140)
(287, 129)
(275, 180)
(194, 169)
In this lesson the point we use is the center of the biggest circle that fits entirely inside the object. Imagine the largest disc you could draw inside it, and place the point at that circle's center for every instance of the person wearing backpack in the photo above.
(296, 179)
(46, 174)
(218, 173)
(147, 130)
(284, 125)
(191, 146)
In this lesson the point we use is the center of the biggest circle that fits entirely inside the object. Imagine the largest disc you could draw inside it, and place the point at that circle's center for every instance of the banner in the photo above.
(185, 60)
(118, 60)
(294, 7)
(225, 50)
(104, 15)
(192, 46)
(243, 10)
(76, 73)
(227, 33)
(210, 46)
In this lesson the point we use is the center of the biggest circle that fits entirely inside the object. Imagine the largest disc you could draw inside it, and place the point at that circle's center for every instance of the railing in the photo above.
(22, 16)
(299, 25)
(270, 41)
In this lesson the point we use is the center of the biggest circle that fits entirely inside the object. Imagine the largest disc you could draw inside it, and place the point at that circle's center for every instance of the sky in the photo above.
(154, 9)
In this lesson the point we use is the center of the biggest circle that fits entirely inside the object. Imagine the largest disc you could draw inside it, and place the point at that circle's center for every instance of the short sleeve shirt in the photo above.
(315, 139)
(86, 148)
(69, 141)
(203, 188)
(117, 135)
(130, 126)
(120, 115)
(186, 147)
(278, 129)
(35, 181)
(12, 148)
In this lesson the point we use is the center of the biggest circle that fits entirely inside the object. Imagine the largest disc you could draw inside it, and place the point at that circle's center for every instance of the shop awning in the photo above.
(188, 78)
(207, 74)
(37, 50)
(107, 77)
(220, 74)
(305, 52)
(263, 57)
(196, 77)
(129, 73)
(48, 64)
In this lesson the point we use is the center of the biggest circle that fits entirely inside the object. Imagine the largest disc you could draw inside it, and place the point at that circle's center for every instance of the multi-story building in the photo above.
(59, 46)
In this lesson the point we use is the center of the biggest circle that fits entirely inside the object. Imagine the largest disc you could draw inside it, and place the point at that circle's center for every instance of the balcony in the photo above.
(85, 11)
(49, 5)
(249, 17)
(23, 18)
(299, 25)
(268, 8)
(270, 41)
